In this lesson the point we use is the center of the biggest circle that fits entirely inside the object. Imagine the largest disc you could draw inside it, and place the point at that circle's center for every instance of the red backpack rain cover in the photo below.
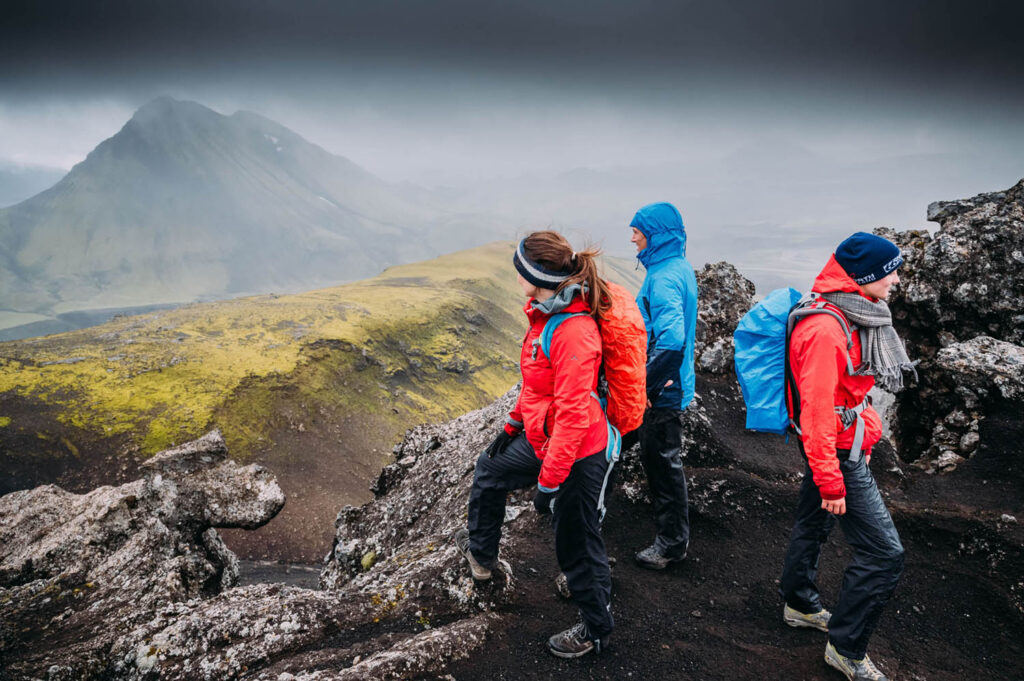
(624, 355)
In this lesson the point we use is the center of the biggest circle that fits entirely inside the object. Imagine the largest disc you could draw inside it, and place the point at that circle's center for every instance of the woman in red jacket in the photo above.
(555, 437)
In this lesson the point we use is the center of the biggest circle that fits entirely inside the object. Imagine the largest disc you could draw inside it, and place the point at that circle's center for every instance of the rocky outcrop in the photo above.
(960, 308)
(79, 571)
(724, 296)
(133, 582)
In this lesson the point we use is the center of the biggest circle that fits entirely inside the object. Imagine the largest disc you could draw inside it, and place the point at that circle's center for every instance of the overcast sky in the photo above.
(454, 91)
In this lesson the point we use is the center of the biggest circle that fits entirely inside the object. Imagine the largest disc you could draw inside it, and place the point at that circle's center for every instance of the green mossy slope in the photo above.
(318, 385)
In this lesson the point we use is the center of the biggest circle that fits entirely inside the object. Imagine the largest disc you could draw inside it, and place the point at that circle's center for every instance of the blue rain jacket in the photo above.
(668, 302)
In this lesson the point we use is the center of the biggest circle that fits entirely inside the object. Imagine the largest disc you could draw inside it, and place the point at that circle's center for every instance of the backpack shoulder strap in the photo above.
(811, 304)
(550, 326)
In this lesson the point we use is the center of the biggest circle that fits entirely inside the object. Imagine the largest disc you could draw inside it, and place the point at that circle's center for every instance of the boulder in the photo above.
(959, 308)
(724, 296)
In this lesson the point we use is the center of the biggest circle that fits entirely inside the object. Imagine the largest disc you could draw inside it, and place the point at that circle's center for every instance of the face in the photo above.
(529, 290)
(639, 239)
(880, 289)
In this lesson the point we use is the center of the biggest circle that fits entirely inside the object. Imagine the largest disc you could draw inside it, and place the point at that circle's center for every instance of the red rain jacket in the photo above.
(817, 355)
(562, 420)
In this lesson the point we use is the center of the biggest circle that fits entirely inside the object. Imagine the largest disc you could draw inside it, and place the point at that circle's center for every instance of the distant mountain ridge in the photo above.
(185, 204)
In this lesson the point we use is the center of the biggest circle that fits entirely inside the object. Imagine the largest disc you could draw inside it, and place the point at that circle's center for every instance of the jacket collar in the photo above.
(569, 299)
(833, 278)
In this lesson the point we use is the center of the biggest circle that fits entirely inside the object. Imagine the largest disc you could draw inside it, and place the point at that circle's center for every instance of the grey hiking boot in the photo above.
(575, 641)
(479, 572)
(653, 559)
(815, 620)
(854, 670)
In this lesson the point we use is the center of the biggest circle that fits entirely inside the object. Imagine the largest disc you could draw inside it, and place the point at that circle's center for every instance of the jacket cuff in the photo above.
(542, 488)
(513, 430)
(832, 494)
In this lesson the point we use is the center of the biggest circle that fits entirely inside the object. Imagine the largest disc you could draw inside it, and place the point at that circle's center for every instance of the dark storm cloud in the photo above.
(908, 42)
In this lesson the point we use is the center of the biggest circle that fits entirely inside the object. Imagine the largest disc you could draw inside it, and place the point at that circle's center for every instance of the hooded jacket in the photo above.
(668, 302)
(562, 419)
(817, 355)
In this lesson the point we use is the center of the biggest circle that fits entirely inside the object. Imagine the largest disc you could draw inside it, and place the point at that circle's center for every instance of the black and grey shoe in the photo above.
(653, 559)
(575, 641)
(479, 572)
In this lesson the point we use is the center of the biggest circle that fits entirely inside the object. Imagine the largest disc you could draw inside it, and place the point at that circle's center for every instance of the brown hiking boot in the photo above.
(479, 572)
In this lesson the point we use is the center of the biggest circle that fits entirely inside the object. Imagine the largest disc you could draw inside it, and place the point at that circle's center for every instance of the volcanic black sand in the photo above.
(957, 613)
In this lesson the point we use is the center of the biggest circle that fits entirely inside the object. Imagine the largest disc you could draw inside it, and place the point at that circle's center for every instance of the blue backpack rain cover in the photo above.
(760, 357)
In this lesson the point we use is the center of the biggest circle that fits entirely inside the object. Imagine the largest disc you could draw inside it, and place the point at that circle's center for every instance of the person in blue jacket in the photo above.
(668, 302)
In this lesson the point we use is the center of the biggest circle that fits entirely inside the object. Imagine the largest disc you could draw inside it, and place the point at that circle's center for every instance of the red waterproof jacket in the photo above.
(817, 355)
(562, 420)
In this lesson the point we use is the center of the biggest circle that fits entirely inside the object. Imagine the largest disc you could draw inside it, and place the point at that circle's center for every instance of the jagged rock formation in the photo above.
(133, 582)
(724, 296)
(960, 308)
(79, 571)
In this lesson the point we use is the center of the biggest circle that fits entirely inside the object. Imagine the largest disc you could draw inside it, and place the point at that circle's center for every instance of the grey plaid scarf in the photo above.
(882, 352)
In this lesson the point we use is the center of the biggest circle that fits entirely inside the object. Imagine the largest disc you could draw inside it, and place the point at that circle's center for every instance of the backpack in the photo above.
(761, 358)
(623, 358)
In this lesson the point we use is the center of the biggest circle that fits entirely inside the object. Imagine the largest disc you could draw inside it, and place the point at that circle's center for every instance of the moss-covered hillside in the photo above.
(318, 385)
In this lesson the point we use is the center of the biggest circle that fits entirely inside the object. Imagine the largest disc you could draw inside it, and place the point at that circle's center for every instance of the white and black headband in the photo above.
(534, 272)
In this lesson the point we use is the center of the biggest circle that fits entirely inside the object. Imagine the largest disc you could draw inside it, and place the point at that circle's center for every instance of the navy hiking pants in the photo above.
(872, 574)
(578, 544)
(661, 451)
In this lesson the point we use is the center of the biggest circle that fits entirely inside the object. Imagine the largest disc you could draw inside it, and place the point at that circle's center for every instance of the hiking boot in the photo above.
(854, 670)
(575, 642)
(815, 620)
(479, 572)
(653, 559)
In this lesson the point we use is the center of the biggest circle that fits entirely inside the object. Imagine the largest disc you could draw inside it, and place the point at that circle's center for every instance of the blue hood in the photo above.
(662, 225)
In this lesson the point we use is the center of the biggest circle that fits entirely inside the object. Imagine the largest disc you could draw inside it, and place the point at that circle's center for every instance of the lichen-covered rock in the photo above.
(959, 307)
(78, 571)
(964, 381)
(968, 278)
(421, 503)
(724, 296)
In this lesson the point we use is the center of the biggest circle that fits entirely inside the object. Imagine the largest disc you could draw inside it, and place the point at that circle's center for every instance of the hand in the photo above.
(867, 459)
(499, 445)
(666, 385)
(835, 506)
(544, 502)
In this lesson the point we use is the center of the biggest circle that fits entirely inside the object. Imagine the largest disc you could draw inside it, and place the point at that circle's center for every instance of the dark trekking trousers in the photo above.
(661, 445)
(872, 574)
(578, 544)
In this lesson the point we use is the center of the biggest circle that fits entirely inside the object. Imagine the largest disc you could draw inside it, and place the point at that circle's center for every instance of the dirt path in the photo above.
(956, 615)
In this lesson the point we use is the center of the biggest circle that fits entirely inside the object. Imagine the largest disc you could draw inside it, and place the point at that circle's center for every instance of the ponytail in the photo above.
(552, 251)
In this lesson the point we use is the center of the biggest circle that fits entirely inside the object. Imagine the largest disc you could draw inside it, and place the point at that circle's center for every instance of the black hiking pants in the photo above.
(872, 574)
(661, 452)
(578, 544)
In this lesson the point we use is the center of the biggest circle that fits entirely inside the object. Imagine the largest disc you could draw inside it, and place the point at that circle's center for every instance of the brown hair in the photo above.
(552, 251)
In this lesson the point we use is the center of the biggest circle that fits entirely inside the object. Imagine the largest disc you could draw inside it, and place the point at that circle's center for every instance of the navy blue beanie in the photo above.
(867, 258)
